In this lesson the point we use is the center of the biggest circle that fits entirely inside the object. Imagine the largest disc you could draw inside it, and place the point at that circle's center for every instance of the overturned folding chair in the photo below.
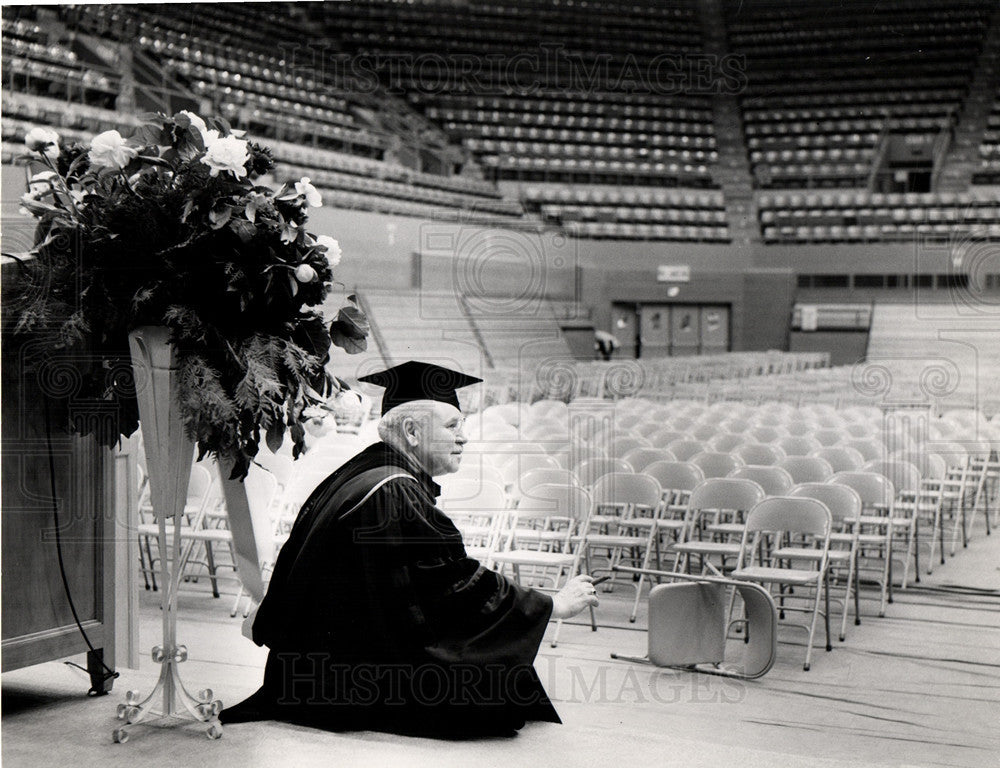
(688, 626)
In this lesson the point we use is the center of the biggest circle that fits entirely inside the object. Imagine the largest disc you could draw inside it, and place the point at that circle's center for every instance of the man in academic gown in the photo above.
(376, 618)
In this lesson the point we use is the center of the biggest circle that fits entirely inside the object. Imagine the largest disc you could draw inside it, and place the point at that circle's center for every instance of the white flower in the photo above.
(305, 273)
(196, 121)
(305, 188)
(40, 183)
(228, 154)
(209, 137)
(43, 139)
(108, 150)
(333, 252)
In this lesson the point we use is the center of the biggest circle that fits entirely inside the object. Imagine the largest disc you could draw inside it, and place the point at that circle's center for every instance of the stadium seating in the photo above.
(989, 150)
(824, 84)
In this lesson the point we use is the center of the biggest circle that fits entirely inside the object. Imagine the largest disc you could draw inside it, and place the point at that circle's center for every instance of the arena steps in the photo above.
(962, 160)
(424, 325)
(943, 352)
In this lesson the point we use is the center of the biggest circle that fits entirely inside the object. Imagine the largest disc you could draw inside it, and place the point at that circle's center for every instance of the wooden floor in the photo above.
(920, 687)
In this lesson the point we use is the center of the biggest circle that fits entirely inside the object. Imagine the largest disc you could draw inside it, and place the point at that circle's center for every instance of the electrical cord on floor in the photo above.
(109, 674)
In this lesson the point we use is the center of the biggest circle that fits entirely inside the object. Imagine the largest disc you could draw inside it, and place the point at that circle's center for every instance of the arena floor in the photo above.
(920, 687)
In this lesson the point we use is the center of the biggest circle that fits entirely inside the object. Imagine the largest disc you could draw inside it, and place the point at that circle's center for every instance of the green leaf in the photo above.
(350, 330)
(311, 335)
(298, 434)
(243, 229)
(275, 435)
(219, 217)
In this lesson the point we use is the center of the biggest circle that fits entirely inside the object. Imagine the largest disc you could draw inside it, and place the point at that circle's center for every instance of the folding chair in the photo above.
(759, 454)
(830, 436)
(805, 523)
(807, 469)
(874, 524)
(261, 488)
(535, 477)
(677, 479)
(525, 462)
(870, 449)
(548, 507)
(798, 428)
(714, 464)
(640, 458)
(557, 511)
(628, 496)
(201, 493)
(725, 443)
(704, 432)
(662, 438)
(589, 470)
(798, 445)
(725, 500)
(684, 450)
(767, 434)
(774, 480)
(927, 503)
(906, 480)
(844, 505)
(477, 510)
(688, 627)
(840, 457)
(622, 445)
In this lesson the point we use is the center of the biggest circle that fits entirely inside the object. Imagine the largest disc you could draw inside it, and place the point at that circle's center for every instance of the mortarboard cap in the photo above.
(414, 380)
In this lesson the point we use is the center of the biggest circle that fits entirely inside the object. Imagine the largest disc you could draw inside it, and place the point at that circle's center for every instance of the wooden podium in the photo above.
(37, 623)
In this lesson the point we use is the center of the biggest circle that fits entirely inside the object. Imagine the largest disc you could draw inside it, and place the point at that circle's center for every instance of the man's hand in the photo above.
(578, 593)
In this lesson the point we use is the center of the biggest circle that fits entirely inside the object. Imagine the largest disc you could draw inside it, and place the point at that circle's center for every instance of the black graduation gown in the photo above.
(378, 620)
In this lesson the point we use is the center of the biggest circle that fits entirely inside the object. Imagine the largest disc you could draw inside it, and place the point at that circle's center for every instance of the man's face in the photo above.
(441, 439)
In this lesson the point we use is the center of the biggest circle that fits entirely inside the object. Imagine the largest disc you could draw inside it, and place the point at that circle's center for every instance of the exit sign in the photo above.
(673, 273)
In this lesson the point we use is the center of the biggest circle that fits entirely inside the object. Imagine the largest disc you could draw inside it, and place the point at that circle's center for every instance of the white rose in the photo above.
(305, 273)
(196, 121)
(108, 150)
(317, 427)
(333, 252)
(305, 188)
(228, 154)
(43, 140)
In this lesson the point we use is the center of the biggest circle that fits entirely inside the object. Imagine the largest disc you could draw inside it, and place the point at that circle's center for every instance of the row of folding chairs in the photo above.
(921, 489)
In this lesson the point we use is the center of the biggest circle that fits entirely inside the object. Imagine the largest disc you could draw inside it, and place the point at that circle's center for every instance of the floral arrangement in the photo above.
(170, 227)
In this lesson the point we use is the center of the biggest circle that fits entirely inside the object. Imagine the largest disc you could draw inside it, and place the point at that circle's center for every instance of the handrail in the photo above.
(942, 143)
(476, 332)
(376, 332)
(881, 148)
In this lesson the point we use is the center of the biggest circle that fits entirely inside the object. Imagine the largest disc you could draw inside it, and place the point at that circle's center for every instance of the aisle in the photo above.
(919, 687)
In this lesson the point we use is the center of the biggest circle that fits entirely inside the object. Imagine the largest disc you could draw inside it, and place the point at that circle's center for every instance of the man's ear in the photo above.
(411, 431)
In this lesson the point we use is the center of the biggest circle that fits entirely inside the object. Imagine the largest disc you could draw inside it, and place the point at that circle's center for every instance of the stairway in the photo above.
(424, 325)
(732, 173)
(962, 160)
(518, 338)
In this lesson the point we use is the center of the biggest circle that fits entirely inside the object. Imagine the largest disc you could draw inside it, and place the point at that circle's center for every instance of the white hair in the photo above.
(390, 427)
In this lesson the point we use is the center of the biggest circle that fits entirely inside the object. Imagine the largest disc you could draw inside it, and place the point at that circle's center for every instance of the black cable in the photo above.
(110, 674)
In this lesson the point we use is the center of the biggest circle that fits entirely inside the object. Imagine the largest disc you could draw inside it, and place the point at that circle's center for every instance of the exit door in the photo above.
(654, 330)
(685, 330)
(714, 330)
